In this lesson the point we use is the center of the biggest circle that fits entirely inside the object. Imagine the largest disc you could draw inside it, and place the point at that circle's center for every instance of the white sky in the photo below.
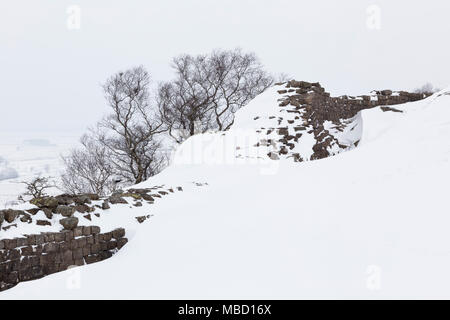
(50, 76)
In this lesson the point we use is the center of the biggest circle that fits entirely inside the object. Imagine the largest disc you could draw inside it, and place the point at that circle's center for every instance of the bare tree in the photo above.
(129, 132)
(238, 78)
(37, 186)
(187, 101)
(282, 77)
(427, 88)
(208, 90)
(88, 169)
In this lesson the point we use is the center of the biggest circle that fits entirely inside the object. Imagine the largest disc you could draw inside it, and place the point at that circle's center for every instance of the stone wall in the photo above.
(35, 256)
(322, 106)
(315, 106)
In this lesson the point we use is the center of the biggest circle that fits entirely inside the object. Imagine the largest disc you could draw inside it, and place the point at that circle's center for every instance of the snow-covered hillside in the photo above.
(369, 223)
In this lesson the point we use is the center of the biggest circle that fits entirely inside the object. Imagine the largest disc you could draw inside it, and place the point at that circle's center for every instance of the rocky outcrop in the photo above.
(35, 256)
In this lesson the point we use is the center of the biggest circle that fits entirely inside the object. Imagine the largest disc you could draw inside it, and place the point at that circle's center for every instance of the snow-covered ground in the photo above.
(28, 156)
(369, 223)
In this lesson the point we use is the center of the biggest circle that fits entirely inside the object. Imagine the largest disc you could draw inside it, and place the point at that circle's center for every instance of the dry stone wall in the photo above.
(35, 256)
(322, 106)
(313, 106)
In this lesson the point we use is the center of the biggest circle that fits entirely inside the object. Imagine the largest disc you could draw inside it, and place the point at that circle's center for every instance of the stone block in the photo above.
(77, 254)
(64, 246)
(49, 237)
(91, 259)
(39, 239)
(37, 272)
(81, 242)
(121, 242)
(50, 268)
(10, 243)
(95, 248)
(73, 244)
(78, 231)
(22, 242)
(59, 237)
(67, 257)
(86, 231)
(14, 265)
(86, 251)
(107, 236)
(105, 255)
(13, 277)
(59, 258)
(90, 240)
(50, 247)
(111, 245)
(95, 230)
(13, 254)
(79, 262)
(68, 235)
(27, 251)
(118, 233)
(38, 250)
(35, 260)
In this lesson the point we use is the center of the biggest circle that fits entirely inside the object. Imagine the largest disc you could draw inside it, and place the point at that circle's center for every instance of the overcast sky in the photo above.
(51, 74)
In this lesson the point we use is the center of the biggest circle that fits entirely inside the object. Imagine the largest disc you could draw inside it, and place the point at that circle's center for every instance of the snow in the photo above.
(8, 173)
(369, 223)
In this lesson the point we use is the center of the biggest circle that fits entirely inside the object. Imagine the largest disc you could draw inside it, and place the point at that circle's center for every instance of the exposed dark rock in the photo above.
(82, 199)
(43, 223)
(9, 227)
(118, 233)
(92, 196)
(136, 196)
(141, 219)
(384, 109)
(65, 211)
(117, 200)
(65, 199)
(83, 208)
(121, 242)
(105, 205)
(46, 202)
(48, 213)
(9, 215)
(26, 218)
(147, 197)
(35, 256)
(69, 223)
(33, 211)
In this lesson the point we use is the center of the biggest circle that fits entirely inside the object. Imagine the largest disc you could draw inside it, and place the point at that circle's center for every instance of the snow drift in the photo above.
(370, 223)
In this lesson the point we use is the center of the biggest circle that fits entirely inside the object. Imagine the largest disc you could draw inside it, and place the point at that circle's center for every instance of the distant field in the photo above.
(30, 156)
